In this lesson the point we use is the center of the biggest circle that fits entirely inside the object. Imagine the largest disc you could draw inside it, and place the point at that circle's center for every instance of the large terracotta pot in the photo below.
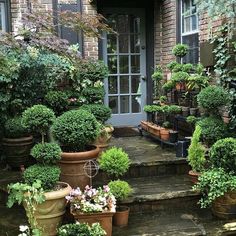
(103, 218)
(225, 207)
(121, 217)
(50, 213)
(72, 167)
(165, 134)
(103, 139)
(17, 150)
(144, 125)
(194, 176)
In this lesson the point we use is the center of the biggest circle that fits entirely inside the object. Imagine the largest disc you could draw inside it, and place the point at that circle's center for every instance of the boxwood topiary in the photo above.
(46, 153)
(223, 154)
(213, 97)
(179, 77)
(13, 128)
(93, 94)
(120, 189)
(114, 161)
(75, 129)
(101, 112)
(180, 50)
(213, 129)
(48, 175)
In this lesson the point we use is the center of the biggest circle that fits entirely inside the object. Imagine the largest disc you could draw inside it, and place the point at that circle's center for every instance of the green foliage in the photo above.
(188, 67)
(197, 81)
(196, 152)
(178, 67)
(152, 108)
(38, 119)
(101, 112)
(114, 161)
(179, 77)
(93, 94)
(166, 125)
(212, 98)
(214, 183)
(14, 129)
(163, 98)
(223, 154)
(172, 65)
(75, 129)
(180, 50)
(158, 74)
(168, 86)
(46, 153)
(174, 109)
(213, 129)
(57, 101)
(48, 175)
(120, 189)
(192, 119)
(81, 229)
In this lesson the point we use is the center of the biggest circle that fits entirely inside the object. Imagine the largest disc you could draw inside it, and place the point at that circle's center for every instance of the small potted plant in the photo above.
(179, 79)
(93, 205)
(81, 229)
(75, 130)
(121, 190)
(17, 143)
(180, 50)
(163, 100)
(165, 131)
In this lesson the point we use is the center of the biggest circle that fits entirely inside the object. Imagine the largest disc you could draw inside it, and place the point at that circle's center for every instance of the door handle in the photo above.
(144, 78)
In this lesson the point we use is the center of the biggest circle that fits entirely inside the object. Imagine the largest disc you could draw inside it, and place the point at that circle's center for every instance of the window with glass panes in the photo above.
(3, 26)
(189, 30)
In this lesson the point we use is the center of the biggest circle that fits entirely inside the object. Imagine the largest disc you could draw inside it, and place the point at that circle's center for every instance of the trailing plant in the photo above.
(75, 129)
(223, 154)
(114, 161)
(180, 50)
(196, 152)
(214, 183)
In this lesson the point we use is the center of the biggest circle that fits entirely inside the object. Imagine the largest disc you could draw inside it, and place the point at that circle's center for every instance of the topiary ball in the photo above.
(46, 153)
(180, 50)
(75, 129)
(48, 175)
(223, 154)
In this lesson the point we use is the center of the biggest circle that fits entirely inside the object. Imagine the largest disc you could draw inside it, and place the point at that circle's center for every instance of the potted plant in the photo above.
(17, 143)
(180, 50)
(121, 190)
(163, 100)
(157, 77)
(41, 194)
(75, 130)
(179, 79)
(196, 155)
(165, 131)
(102, 113)
(93, 206)
(81, 229)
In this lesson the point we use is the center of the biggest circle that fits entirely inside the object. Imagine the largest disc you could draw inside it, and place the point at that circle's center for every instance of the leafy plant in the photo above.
(214, 183)
(75, 129)
(192, 120)
(152, 108)
(158, 74)
(47, 174)
(93, 94)
(168, 86)
(114, 161)
(223, 154)
(196, 152)
(197, 82)
(178, 68)
(188, 67)
(120, 189)
(14, 129)
(46, 153)
(81, 229)
(179, 77)
(174, 109)
(38, 119)
(163, 98)
(180, 50)
(101, 112)
(166, 125)
(172, 65)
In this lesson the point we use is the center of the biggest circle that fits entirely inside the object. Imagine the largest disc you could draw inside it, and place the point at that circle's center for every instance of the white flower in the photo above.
(23, 228)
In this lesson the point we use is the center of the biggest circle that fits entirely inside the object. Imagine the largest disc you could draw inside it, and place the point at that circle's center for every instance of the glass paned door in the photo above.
(125, 55)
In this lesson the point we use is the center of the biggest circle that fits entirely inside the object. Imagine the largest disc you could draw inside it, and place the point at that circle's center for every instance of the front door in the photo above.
(125, 55)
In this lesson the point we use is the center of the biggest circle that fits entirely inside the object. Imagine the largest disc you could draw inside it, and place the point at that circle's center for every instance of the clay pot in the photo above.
(144, 125)
(72, 167)
(121, 216)
(194, 176)
(50, 213)
(17, 150)
(226, 117)
(103, 139)
(156, 130)
(225, 207)
(165, 134)
(103, 218)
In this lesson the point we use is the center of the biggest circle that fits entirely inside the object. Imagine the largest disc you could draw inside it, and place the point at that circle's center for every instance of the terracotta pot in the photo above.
(178, 86)
(103, 218)
(144, 125)
(121, 216)
(17, 150)
(156, 130)
(225, 207)
(50, 213)
(103, 139)
(72, 167)
(194, 176)
(226, 117)
(165, 134)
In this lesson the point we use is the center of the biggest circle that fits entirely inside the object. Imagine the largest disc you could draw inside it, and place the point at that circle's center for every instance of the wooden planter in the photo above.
(103, 218)
(72, 167)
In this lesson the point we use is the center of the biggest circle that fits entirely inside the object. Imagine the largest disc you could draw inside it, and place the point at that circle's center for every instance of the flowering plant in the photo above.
(91, 200)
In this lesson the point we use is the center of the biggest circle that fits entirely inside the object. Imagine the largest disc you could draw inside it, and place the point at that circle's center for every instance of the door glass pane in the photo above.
(112, 64)
(124, 84)
(135, 84)
(124, 64)
(135, 43)
(111, 43)
(124, 104)
(135, 64)
(113, 104)
(134, 24)
(124, 43)
(112, 85)
(2, 17)
(136, 104)
(123, 23)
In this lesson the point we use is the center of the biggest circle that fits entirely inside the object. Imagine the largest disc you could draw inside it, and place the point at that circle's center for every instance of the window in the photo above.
(3, 26)
(189, 30)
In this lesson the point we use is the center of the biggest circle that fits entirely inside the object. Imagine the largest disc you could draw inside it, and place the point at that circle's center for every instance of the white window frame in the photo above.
(3, 16)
